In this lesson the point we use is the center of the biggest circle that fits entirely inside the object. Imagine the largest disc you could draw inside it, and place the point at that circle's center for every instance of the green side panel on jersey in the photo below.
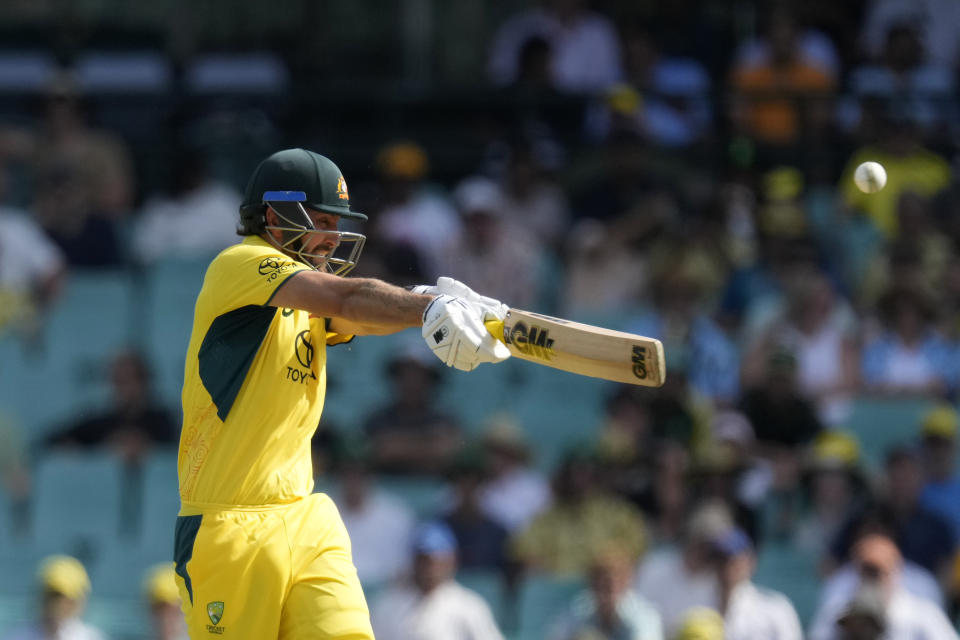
(185, 536)
(228, 350)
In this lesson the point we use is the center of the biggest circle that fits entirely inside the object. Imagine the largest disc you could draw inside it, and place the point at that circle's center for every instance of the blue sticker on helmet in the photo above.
(284, 196)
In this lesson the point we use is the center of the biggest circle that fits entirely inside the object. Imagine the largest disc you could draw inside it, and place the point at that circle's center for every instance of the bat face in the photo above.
(582, 349)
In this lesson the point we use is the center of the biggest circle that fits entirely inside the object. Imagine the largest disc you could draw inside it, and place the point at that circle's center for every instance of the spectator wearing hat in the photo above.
(64, 588)
(833, 487)
(410, 434)
(513, 492)
(865, 617)
(379, 525)
(432, 605)
(909, 357)
(163, 599)
(493, 253)
(941, 494)
(413, 215)
(749, 612)
(878, 565)
(610, 609)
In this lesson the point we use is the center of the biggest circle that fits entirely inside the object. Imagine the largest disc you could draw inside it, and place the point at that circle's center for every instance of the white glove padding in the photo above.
(492, 309)
(455, 333)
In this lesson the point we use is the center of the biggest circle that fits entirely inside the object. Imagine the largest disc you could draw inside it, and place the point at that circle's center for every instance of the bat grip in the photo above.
(495, 327)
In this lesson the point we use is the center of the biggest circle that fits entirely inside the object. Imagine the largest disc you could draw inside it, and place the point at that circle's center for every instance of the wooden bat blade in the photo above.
(581, 348)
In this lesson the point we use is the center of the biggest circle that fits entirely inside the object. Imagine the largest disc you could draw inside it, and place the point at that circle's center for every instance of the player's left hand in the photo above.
(454, 331)
(491, 308)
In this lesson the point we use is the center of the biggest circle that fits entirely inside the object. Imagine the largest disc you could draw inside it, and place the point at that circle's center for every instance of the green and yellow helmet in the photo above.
(290, 182)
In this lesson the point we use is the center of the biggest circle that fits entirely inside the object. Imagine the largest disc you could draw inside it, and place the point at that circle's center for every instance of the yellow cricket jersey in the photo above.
(254, 384)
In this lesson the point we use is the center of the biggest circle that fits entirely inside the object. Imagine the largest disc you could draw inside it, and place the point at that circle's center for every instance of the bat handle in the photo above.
(495, 327)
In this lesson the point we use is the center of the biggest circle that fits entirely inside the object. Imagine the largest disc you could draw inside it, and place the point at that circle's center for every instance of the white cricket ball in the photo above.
(870, 177)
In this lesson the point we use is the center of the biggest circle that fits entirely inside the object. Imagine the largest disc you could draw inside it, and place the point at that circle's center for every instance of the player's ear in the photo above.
(271, 217)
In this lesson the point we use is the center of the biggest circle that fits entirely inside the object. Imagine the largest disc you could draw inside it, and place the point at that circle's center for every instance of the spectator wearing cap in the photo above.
(64, 588)
(610, 609)
(413, 215)
(923, 537)
(432, 605)
(379, 525)
(493, 253)
(163, 599)
(878, 565)
(678, 578)
(513, 492)
(865, 617)
(749, 612)
(410, 434)
(833, 486)
(941, 494)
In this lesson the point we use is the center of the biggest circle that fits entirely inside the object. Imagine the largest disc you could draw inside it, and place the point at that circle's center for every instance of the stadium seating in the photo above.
(490, 586)
(786, 569)
(541, 604)
(880, 423)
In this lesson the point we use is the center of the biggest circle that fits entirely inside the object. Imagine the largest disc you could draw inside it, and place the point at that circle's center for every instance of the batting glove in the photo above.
(455, 333)
(490, 308)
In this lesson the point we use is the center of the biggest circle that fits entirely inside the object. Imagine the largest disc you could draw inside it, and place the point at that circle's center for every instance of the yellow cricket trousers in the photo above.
(269, 572)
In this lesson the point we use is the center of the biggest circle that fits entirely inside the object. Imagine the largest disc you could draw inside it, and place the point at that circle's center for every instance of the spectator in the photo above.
(941, 494)
(133, 424)
(163, 598)
(813, 46)
(922, 536)
(532, 198)
(783, 95)
(750, 612)
(678, 578)
(663, 493)
(610, 609)
(493, 254)
(379, 525)
(410, 434)
(197, 203)
(432, 605)
(64, 588)
(32, 269)
(864, 618)
(909, 357)
(780, 414)
(411, 214)
(582, 520)
(909, 166)
(878, 565)
(583, 45)
(819, 329)
(481, 541)
(716, 476)
(834, 487)
(513, 493)
(83, 178)
(935, 21)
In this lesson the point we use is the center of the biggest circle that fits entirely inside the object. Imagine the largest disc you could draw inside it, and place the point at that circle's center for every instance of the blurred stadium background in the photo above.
(676, 169)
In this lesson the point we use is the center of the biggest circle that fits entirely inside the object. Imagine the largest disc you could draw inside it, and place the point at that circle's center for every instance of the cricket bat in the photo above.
(581, 348)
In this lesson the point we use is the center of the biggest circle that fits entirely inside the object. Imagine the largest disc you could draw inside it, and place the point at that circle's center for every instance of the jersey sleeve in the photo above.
(248, 274)
(334, 338)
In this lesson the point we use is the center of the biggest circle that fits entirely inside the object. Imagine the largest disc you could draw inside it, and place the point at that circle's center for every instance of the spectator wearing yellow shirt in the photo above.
(565, 538)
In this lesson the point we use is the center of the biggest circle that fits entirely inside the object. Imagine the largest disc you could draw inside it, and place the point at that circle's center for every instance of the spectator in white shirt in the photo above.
(879, 565)
(205, 206)
(514, 492)
(379, 525)
(64, 588)
(750, 612)
(584, 46)
(433, 606)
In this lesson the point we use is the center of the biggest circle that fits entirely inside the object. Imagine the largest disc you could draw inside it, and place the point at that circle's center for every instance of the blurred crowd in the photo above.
(651, 169)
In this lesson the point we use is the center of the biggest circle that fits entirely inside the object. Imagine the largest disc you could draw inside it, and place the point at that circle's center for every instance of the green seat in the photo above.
(489, 584)
(543, 602)
(425, 496)
(793, 573)
(880, 423)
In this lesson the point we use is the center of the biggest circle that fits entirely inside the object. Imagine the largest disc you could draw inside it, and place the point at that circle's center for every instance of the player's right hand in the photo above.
(454, 331)
(491, 308)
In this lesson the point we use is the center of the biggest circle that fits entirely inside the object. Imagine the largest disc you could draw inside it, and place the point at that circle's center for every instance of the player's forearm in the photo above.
(374, 303)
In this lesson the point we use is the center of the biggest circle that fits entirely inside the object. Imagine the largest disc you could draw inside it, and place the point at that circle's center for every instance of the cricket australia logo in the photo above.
(215, 613)
(535, 341)
(303, 350)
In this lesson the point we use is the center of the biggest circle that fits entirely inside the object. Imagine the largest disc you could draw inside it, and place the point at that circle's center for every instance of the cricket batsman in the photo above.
(258, 554)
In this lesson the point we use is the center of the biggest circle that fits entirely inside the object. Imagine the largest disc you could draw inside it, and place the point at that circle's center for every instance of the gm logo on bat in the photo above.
(639, 360)
(535, 341)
